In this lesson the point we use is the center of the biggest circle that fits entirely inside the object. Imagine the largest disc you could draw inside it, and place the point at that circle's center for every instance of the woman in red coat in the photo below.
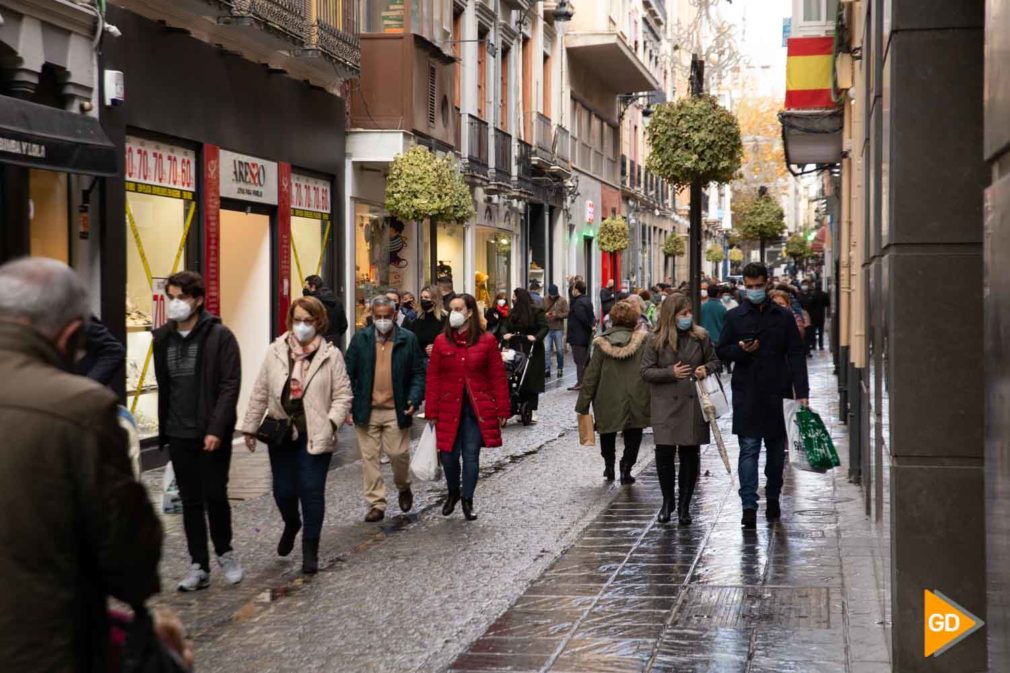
(467, 398)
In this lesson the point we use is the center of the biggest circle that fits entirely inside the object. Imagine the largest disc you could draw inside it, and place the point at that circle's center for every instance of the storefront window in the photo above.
(386, 256)
(451, 248)
(50, 236)
(311, 229)
(159, 216)
(494, 260)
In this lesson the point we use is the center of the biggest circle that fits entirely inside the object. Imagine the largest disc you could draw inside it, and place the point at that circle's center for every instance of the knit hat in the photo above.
(552, 290)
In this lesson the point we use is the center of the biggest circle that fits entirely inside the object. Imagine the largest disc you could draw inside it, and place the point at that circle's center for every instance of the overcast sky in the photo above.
(759, 32)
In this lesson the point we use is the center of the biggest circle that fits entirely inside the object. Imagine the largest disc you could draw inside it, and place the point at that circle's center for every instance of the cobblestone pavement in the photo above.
(561, 572)
(806, 595)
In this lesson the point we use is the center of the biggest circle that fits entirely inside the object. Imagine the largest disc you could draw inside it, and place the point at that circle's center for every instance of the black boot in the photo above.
(468, 509)
(310, 556)
(667, 471)
(626, 477)
(287, 542)
(608, 463)
(690, 465)
(450, 504)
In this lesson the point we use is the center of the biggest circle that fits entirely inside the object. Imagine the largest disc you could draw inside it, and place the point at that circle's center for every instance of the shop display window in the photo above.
(383, 16)
(494, 260)
(155, 248)
(50, 232)
(385, 257)
(309, 244)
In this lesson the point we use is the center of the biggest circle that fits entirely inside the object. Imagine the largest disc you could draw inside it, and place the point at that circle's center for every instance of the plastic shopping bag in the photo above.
(424, 465)
(171, 501)
(716, 393)
(809, 440)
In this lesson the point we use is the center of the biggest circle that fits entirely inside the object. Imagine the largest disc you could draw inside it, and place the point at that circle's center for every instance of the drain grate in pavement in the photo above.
(708, 607)
(815, 512)
(804, 534)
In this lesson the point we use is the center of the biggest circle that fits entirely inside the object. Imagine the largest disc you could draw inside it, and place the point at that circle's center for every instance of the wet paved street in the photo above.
(561, 572)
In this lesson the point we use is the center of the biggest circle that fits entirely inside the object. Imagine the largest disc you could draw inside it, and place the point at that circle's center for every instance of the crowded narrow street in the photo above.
(561, 572)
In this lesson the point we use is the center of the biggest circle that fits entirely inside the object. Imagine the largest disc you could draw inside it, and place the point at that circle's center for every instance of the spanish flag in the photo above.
(808, 73)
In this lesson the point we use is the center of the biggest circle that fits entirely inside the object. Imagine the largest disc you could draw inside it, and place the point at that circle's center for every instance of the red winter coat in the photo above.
(480, 369)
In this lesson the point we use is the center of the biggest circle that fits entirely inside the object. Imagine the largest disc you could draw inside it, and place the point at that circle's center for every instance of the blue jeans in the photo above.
(467, 447)
(300, 475)
(555, 344)
(750, 450)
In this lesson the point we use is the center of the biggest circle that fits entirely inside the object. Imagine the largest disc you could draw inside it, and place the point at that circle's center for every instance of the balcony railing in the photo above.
(562, 144)
(502, 156)
(542, 134)
(476, 153)
(327, 26)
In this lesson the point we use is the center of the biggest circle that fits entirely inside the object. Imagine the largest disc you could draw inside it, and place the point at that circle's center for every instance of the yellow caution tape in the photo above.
(140, 244)
(326, 241)
(298, 261)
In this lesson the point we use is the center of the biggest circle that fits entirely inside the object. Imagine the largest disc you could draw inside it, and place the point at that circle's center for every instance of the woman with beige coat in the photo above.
(301, 398)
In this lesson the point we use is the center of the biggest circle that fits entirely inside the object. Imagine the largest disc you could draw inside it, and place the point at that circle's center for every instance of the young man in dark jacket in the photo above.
(104, 355)
(581, 320)
(387, 368)
(316, 287)
(199, 372)
(762, 340)
(75, 526)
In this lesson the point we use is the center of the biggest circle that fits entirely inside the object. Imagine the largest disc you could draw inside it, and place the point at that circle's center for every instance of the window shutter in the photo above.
(432, 75)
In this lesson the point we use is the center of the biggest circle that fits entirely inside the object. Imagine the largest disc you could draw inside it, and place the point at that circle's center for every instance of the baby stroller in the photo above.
(517, 362)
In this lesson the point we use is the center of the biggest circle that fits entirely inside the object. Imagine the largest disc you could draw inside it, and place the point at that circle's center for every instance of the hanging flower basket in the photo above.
(422, 185)
(674, 246)
(714, 253)
(613, 236)
(694, 138)
(736, 255)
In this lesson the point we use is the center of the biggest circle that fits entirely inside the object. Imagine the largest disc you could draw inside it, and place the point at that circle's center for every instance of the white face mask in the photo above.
(303, 332)
(502, 302)
(179, 310)
(456, 319)
(383, 325)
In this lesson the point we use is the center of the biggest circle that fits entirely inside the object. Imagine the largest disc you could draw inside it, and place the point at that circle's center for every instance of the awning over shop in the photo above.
(812, 137)
(39, 136)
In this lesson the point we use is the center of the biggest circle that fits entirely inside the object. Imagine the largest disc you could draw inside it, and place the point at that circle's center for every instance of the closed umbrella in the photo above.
(708, 410)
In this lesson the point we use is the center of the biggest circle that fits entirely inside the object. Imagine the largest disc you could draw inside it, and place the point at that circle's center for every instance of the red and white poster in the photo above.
(284, 193)
(310, 194)
(159, 316)
(166, 170)
(212, 227)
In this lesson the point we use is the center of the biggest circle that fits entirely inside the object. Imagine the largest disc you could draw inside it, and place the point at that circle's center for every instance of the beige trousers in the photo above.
(383, 436)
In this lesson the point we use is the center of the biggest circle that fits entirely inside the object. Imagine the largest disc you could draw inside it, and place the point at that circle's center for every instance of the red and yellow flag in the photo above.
(808, 73)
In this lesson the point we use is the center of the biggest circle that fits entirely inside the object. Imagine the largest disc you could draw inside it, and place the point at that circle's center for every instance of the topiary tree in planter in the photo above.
(613, 238)
(735, 258)
(798, 248)
(674, 247)
(715, 254)
(763, 221)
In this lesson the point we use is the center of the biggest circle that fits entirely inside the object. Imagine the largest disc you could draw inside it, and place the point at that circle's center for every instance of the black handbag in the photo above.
(143, 651)
(274, 431)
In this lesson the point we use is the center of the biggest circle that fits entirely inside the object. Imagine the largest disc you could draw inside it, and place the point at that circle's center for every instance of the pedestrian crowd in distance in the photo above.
(78, 527)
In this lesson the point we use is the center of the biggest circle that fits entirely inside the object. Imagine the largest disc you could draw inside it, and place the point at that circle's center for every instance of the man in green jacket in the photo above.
(386, 367)
(75, 526)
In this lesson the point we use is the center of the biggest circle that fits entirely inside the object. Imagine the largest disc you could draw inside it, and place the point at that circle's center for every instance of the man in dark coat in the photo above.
(104, 355)
(581, 321)
(818, 305)
(199, 372)
(316, 287)
(75, 526)
(762, 340)
(607, 298)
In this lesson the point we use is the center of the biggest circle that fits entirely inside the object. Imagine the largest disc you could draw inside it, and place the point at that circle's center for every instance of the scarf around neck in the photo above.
(301, 356)
(461, 339)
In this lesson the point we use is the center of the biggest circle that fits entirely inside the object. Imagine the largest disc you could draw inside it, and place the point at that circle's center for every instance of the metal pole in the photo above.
(694, 285)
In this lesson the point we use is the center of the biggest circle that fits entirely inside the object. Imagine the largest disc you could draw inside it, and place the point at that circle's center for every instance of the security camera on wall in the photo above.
(115, 88)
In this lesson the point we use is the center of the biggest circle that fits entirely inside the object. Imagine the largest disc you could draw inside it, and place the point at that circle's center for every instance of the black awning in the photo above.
(39, 136)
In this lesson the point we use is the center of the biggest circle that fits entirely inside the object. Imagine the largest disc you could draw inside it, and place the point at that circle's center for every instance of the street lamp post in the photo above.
(694, 285)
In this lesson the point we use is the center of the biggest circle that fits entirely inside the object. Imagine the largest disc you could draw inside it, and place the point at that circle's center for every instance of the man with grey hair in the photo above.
(386, 367)
(75, 526)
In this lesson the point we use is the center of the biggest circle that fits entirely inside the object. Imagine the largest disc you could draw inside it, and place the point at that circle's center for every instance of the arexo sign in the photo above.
(248, 178)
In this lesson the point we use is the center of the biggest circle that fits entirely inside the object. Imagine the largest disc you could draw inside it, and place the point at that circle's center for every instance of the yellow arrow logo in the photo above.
(945, 623)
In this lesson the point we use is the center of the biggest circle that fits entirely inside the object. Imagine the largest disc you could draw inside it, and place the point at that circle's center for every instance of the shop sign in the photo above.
(310, 197)
(159, 316)
(590, 212)
(248, 178)
(159, 169)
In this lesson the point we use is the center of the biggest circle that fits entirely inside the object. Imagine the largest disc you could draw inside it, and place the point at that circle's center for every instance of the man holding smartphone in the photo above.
(762, 340)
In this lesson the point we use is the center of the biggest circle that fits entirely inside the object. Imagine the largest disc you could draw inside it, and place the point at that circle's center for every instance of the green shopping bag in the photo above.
(809, 439)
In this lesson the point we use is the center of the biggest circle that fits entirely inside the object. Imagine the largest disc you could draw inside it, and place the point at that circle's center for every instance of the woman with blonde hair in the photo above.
(430, 320)
(300, 399)
(679, 353)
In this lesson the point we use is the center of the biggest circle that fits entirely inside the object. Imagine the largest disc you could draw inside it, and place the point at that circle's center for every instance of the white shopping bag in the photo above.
(171, 501)
(796, 455)
(716, 393)
(424, 465)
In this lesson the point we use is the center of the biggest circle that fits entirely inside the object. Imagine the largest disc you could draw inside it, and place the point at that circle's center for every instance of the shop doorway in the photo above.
(587, 253)
(246, 296)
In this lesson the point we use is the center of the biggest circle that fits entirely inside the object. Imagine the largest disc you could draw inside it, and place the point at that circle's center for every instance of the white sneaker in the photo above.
(384, 459)
(231, 567)
(197, 579)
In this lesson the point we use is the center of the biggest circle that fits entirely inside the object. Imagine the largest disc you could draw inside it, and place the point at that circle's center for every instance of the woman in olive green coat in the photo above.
(613, 383)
